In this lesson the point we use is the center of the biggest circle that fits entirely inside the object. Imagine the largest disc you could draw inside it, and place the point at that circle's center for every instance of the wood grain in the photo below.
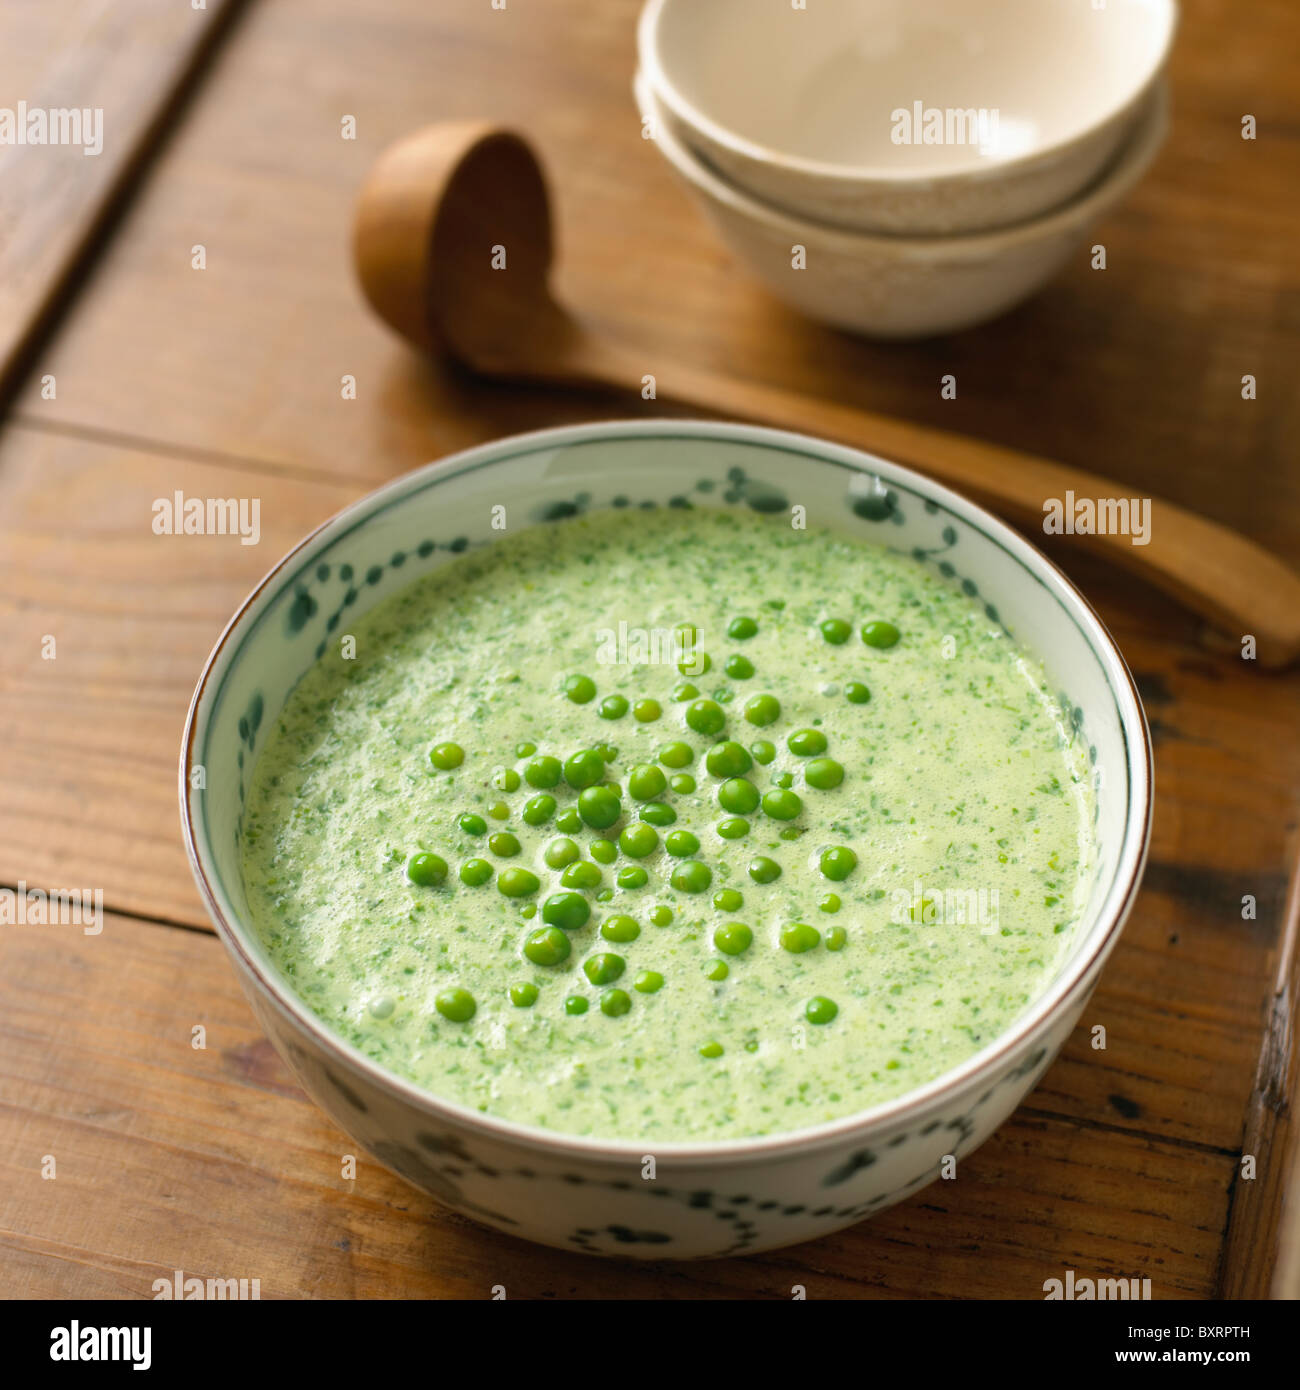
(212, 1162)
(225, 382)
(131, 65)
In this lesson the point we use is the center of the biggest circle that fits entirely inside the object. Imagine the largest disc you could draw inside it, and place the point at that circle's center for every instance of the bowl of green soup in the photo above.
(667, 839)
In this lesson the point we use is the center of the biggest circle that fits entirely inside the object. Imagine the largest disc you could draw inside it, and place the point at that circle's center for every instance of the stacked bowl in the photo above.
(902, 168)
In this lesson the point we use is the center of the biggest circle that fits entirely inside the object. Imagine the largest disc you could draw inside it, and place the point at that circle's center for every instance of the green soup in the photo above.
(670, 825)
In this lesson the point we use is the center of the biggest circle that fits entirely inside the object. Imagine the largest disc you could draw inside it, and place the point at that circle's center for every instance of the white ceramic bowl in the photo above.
(587, 1194)
(903, 287)
(828, 112)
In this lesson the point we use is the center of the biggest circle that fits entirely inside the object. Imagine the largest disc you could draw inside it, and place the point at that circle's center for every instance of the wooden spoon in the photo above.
(436, 205)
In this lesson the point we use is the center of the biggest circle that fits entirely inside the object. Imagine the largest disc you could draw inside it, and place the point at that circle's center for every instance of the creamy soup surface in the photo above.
(674, 825)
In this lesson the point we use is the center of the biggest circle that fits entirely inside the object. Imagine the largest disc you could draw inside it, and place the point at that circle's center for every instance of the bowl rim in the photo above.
(648, 54)
(1076, 978)
(1115, 180)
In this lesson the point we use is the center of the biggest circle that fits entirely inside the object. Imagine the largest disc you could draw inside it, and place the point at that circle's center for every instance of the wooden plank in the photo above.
(123, 68)
(211, 1161)
(1134, 371)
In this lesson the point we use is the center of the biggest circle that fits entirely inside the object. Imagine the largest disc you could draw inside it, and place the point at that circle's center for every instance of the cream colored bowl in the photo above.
(906, 116)
(902, 287)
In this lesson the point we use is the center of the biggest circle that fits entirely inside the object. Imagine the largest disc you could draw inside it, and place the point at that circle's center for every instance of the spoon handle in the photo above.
(1240, 588)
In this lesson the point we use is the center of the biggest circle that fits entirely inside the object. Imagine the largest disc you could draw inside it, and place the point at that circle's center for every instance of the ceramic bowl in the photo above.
(913, 117)
(704, 1199)
(902, 287)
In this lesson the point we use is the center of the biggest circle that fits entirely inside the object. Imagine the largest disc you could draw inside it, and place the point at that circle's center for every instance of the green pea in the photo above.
(525, 750)
(781, 804)
(657, 813)
(539, 809)
(742, 629)
(613, 707)
(525, 996)
(567, 910)
(799, 937)
(791, 832)
(764, 870)
(763, 710)
(604, 851)
(446, 756)
(580, 689)
(879, 633)
(728, 759)
(474, 873)
(706, 717)
(733, 938)
(561, 852)
(605, 895)
(620, 928)
(830, 903)
(763, 750)
(569, 820)
(646, 711)
(599, 807)
(681, 844)
(472, 824)
(499, 811)
(614, 1003)
(738, 667)
(684, 690)
(427, 870)
(528, 911)
(580, 875)
(695, 664)
(633, 877)
(820, 1009)
(648, 982)
(608, 753)
(661, 915)
(838, 863)
(717, 970)
(783, 779)
(690, 876)
(584, 769)
(738, 795)
(676, 754)
(733, 828)
(856, 693)
(575, 1004)
(806, 742)
(823, 773)
(604, 968)
(456, 1004)
(543, 773)
(728, 900)
(836, 631)
(646, 781)
(638, 840)
(505, 779)
(547, 945)
(711, 1049)
(682, 783)
(503, 844)
(836, 939)
(518, 883)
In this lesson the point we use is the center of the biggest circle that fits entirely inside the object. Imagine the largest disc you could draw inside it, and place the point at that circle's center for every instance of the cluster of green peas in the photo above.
(599, 807)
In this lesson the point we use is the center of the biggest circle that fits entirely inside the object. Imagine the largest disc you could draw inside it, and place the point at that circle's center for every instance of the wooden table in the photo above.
(225, 381)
